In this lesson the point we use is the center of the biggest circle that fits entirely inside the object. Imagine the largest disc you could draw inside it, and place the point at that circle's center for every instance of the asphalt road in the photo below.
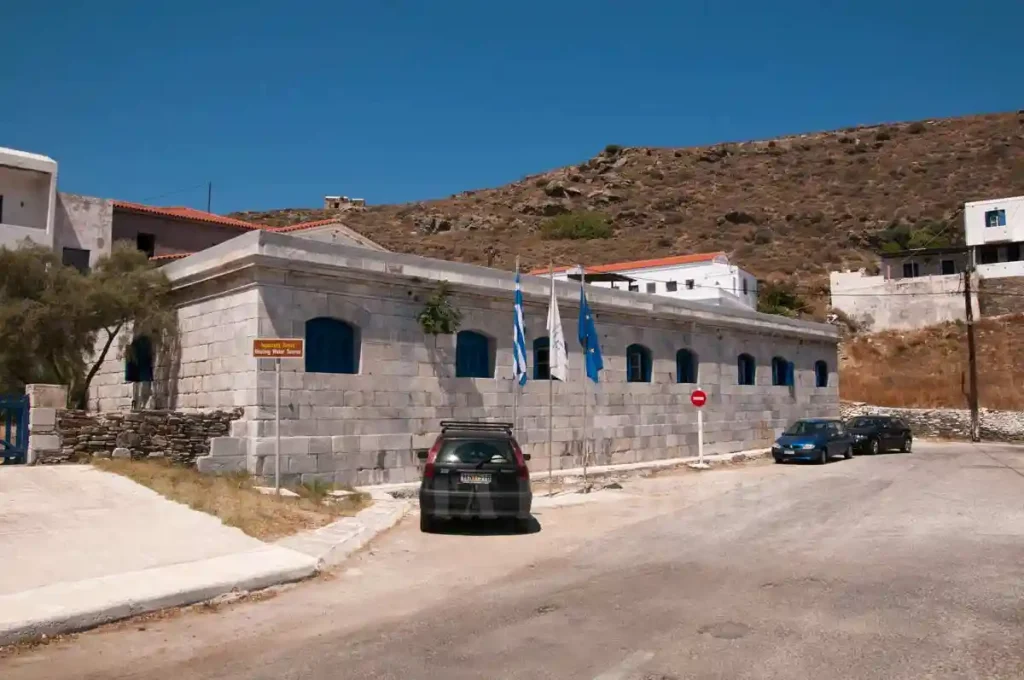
(895, 566)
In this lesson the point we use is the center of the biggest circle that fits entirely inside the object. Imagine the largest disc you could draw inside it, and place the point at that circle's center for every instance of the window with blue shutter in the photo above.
(686, 366)
(746, 369)
(782, 371)
(332, 346)
(638, 364)
(138, 361)
(473, 355)
(821, 374)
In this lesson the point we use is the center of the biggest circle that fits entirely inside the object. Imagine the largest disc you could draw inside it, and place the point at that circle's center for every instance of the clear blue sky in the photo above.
(279, 103)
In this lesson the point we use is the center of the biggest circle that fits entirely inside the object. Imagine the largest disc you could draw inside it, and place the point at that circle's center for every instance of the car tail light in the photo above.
(522, 472)
(428, 469)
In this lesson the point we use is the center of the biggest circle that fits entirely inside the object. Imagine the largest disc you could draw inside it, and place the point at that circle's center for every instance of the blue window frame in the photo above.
(542, 359)
(332, 346)
(686, 366)
(638, 364)
(746, 369)
(138, 361)
(782, 371)
(820, 374)
(473, 357)
(995, 218)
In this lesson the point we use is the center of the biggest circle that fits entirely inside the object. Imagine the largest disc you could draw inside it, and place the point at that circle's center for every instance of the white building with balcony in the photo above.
(28, 192)
(703, 277)
(994, 231)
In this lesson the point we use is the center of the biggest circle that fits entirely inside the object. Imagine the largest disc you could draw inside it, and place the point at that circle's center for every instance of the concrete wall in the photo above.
(977, 234)
(877, 304)
(26, 197)
(173, 236)
(83, 222)
(927, 265)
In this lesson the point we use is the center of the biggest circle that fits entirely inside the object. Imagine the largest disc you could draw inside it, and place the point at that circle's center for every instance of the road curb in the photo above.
(77, 605)
(335, 542)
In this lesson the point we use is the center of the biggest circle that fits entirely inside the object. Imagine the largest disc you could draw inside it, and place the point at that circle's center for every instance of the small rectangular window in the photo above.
(988, 254)
(77, 258)
(744, 286)
(948, 267)
(911, 270)
(652, 288)
(995, 218)
(670, 286)
(689, 284)
(634, 287)
(146, 243)
(1013, 252)
(1, 208)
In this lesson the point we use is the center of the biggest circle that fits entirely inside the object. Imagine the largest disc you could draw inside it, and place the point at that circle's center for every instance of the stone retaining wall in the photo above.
(946, 423)
(1001, 296)
(180, 437)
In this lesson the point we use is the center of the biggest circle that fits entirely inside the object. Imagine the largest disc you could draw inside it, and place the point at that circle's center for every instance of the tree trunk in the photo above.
(81, 397)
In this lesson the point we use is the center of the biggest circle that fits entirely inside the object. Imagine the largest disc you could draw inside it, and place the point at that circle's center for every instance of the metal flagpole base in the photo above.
(698, 466)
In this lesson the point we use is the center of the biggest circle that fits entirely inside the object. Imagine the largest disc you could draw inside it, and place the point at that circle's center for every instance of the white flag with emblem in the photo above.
(558, 360)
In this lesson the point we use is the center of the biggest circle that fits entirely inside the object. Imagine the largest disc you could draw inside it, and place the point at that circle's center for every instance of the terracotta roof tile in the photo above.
(185, 213)
(169, 257)
(639, 264)
(305, 225)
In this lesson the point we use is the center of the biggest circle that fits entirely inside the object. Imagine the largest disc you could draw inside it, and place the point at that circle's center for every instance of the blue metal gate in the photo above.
(13, 428)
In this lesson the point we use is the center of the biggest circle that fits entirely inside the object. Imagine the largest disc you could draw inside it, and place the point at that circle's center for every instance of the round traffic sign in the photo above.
(698, 398)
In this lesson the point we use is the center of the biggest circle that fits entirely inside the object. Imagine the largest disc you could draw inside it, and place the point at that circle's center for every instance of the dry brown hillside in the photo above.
(802, 204)
(928, 367)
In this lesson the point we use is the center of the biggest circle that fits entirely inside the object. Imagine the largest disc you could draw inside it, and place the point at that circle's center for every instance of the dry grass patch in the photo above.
(233, 499)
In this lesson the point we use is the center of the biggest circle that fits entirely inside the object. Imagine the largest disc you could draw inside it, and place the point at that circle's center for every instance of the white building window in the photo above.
(995, 218)
(689, 284)
(948, 267)
(652, 288)
(670, 286)
(911, 270)
(634, 287)
(744, 286)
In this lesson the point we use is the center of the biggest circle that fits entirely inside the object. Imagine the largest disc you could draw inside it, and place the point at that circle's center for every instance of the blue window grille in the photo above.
(746, 369)
(686, 366)
(332, 346)
(138, 361)
(473, 355)
(820, 374)
(782, 371)
(995, 218)
(638, 364)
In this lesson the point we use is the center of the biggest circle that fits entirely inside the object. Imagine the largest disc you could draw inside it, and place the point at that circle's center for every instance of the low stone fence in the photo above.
(180, 437)
(946, 423)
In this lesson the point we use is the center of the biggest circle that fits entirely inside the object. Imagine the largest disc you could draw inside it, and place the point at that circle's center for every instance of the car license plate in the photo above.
(475, 478)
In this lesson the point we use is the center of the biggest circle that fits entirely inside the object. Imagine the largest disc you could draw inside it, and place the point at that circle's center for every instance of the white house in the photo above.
(704, 277)
(994, 231)
(28, 191)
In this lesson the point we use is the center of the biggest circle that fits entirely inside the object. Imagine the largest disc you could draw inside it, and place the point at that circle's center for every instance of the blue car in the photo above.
(813, 439)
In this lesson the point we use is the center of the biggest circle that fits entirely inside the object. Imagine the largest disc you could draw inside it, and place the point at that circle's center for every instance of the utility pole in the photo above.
(209, 195)
(972, 359)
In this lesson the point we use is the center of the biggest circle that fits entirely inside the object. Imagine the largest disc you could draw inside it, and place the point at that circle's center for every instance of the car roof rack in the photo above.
(477, 425)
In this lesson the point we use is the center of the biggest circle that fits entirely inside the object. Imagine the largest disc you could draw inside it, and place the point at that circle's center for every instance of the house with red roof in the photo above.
(703, 277)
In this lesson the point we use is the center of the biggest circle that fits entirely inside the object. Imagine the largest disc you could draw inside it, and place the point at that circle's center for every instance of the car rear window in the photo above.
(475, 452)
(867, 422)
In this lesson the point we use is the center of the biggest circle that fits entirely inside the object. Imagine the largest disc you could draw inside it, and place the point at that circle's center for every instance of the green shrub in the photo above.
(883, 135)
(612, 149)
(916, 127)
(576, 226)
(779, 298)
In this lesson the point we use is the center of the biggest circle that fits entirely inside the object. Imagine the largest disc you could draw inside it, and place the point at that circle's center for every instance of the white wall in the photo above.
(710, 280)
(28, 184)
(83, 222)
(977, 234)
(878, 304)
(1001, 270)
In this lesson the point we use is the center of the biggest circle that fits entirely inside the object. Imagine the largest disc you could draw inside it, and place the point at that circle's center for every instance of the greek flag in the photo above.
(519, 338)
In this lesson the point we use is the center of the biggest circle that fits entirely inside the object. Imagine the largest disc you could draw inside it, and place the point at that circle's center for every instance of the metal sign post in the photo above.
(698, 398)
(276, 349)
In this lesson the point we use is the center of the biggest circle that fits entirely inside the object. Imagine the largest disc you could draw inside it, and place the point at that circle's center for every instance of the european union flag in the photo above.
(588, 338)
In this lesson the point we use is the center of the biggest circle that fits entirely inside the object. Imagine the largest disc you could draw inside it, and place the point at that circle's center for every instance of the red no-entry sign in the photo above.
(698, 398)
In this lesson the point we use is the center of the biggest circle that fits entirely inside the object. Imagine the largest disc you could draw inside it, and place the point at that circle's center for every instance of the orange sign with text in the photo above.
(278, 348)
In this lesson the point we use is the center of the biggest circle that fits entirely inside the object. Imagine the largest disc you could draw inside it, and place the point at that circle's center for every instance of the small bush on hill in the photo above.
(576, 226)
(779, 297)
(612, 149)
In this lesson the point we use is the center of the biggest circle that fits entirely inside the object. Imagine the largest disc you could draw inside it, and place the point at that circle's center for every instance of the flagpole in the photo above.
(551, 390)
(586, 387)
(515, 381)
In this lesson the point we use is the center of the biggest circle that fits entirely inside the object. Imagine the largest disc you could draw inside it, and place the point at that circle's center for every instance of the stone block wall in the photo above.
(947, 423)
(997, 297)
(180, 437)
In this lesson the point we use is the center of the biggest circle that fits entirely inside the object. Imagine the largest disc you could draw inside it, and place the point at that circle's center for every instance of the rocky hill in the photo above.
(799, 205)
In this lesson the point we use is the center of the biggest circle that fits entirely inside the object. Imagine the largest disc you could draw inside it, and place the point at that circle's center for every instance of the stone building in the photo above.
(373, 387)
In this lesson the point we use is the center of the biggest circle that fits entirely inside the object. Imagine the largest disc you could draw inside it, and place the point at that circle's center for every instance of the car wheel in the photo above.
(523, 525)
(427, 524)
(848, 453)
(778, 460)
(824, 456)
(874, 447)
(907, 443)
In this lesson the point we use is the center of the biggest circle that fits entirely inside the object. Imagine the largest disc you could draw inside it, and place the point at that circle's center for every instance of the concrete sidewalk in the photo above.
(83, 547)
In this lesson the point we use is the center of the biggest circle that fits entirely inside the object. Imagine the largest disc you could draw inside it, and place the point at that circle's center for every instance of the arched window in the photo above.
(638, 364)
(747, 369)
(686, 366)
(332, 346)
(138, 360)
(782, 371)
(474, 355)
(542, 359)
(821, 374)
